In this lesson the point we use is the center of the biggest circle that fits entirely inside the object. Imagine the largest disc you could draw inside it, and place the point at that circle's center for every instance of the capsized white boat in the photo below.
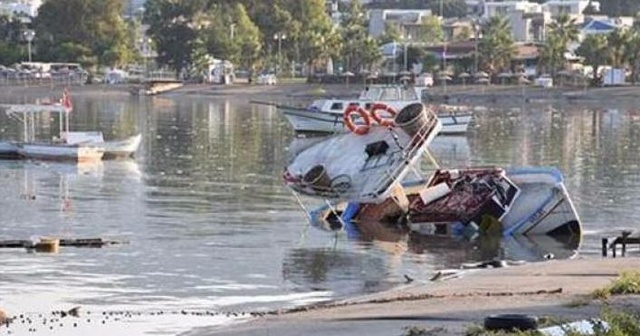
(524, 201)
(327, 115)
(363, 167)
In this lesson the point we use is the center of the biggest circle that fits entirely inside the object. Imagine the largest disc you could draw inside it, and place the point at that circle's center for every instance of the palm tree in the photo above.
(617, 43)
(565, 28)
(595, 53)
(633, 54)
(496, 47)
(562, 32)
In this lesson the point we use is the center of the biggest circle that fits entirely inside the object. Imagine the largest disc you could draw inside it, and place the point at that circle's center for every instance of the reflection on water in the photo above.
(211, 227)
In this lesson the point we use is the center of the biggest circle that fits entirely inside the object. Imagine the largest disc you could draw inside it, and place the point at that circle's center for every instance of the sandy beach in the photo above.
(454, 302)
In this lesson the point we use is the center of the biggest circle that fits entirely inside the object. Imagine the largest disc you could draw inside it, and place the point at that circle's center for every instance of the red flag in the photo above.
(66, 100)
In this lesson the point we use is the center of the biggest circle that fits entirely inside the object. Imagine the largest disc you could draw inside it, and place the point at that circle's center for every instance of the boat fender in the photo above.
(350, 211)
(387, 122)
(348, 121)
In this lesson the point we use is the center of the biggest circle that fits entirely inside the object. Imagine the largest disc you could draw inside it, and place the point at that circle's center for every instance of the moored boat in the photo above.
(326, 115)
(60, 152)
(8, 150)
(112, 149)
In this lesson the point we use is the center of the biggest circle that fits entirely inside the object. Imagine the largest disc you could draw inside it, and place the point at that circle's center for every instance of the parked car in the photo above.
(267, 79)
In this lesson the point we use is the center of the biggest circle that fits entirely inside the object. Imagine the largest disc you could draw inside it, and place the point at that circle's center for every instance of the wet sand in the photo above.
(453, 303)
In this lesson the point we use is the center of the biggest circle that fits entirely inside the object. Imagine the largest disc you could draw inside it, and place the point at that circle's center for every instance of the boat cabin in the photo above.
(394, 95)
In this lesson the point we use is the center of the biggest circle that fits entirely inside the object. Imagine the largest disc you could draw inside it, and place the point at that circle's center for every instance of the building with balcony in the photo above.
(408, 21)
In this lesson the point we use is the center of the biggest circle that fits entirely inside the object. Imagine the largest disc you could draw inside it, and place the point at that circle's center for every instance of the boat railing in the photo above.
(409, 154)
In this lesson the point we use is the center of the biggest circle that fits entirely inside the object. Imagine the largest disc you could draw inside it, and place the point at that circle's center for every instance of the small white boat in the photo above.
(74, 146)
(8, 150)
(61, 152)
(112, 149)
(327, 115)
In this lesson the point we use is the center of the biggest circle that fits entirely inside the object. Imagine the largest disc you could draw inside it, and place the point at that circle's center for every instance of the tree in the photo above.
(552, 55)
(562, 32)
(633, 54)
(430, 30)
(617, 45)
(173, 26)
(11, 39)
(93, 25)
(319, 39)
(496, 47)
(415, 54)
(391, 33)
(594, 51)
(359, 50)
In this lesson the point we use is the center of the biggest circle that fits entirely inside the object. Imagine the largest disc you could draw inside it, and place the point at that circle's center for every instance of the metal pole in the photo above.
(279, 53)
(29, 48)
(405, 56)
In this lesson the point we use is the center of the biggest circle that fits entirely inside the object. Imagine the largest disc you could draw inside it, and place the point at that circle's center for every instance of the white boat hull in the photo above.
(112, 149)
(544, 205)
(311, 121)
(61, 152)
(8, 150)
(122, 148)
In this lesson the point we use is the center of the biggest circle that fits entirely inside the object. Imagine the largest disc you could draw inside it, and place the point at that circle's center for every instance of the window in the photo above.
(337, 106)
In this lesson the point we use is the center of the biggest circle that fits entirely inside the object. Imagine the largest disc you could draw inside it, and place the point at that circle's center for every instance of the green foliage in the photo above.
(419, 331)
(627, 283)
(12, 44)
(430, 31)
(562, 31)
(359, 50)
(391, 33)
(496, 47)
(95, 25)
(594, 51)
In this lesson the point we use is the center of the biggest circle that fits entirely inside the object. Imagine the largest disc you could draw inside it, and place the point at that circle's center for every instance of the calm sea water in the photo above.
(210, 228)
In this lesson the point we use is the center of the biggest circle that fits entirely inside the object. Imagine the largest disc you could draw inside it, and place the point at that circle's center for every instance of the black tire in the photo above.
(510, 322)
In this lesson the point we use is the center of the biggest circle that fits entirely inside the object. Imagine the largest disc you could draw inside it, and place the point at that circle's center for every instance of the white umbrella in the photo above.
(481, 74)
(464, 77)
(347, 75)
(503, 76)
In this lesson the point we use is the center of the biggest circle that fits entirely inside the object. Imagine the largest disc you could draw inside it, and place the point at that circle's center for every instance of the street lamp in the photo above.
(279, 37)
(29, 34)
(144, 46)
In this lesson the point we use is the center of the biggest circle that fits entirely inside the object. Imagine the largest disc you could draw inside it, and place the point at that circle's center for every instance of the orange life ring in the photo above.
(383, 107)
(360, 129)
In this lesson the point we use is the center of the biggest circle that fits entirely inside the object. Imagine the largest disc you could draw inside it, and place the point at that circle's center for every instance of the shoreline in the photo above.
(454, 302)
(453, 94)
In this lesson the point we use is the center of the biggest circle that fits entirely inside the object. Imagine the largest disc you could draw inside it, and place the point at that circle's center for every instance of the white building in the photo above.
(504, 7)
(407, 20)
(21, 7)
(572, 8)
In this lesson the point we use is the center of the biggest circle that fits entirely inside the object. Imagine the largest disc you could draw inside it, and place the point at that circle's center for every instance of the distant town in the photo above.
(469, 41)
